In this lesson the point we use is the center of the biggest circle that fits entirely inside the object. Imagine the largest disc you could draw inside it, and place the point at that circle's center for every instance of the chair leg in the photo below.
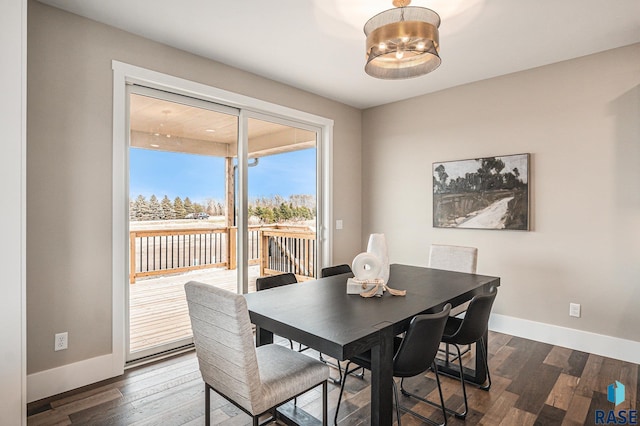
(485, 355)
(342, 382)
(207, 405)
(338, 367)
(441, 406)
(255, 421)
(464, 388)
(468, 348)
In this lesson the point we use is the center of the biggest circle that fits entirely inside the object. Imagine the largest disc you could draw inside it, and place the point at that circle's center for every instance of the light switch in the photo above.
(574, 310)
(339, 224)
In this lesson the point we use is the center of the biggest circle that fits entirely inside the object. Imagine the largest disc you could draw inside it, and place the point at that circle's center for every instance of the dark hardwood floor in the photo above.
(533, 384)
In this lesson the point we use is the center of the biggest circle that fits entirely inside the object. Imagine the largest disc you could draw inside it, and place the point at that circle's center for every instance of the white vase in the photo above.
(378, 247)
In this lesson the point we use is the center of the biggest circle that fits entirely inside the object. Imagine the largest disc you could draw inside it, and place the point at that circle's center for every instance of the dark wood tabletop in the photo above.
(320, 314)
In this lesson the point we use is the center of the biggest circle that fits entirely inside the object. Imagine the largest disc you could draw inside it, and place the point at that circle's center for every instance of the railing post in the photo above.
(232, 256)
(264, 255)
(132, 257)
(259, 242)
(306, 262)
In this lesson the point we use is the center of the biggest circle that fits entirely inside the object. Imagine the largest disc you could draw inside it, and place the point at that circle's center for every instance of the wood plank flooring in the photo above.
(533, 384)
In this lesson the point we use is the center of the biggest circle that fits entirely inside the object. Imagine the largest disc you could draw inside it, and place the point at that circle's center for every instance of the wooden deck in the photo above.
(158, 308)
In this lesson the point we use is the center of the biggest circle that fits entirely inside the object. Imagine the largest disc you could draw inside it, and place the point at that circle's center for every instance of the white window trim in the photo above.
(124, 74)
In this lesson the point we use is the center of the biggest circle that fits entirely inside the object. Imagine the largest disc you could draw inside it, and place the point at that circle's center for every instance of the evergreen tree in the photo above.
(141, 208)
(267, 215)
(167, 208)
(285, 212)
(132, 210)
(188, 206)
(178, 208)
(155, 209)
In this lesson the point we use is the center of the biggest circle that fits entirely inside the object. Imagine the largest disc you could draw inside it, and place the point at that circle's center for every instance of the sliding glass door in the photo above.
(282, 197)
(181, 223)
(216, 195)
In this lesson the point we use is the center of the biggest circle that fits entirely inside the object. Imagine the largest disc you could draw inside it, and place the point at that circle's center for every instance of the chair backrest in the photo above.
(476, 319)
(224, 342)
(453, 258)
(420, 344)
(335, 270)
(271, 281)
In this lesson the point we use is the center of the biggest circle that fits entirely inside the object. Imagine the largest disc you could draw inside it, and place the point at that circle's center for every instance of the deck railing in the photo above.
(163, 252)
(288, 250)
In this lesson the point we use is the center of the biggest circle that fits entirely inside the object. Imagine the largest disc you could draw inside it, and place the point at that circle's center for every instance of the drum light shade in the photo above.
(402, 42)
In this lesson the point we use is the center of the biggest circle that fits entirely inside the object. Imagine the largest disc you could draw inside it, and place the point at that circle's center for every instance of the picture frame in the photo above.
(482, 193)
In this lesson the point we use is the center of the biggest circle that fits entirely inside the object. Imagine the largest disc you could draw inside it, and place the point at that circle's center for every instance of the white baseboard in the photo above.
(71, 376)
(599, 344)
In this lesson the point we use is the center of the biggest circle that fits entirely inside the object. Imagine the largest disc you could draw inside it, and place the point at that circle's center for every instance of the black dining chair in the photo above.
(466, 331)
(414, 354)
(272, 281)
(330, 271)
(335, 270)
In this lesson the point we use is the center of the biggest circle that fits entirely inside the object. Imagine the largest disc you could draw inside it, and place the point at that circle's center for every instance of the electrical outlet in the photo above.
(574, 310)
(61, 341)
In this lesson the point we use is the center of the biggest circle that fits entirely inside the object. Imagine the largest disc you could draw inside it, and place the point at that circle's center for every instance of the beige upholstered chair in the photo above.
(457, 259)
(256, 380)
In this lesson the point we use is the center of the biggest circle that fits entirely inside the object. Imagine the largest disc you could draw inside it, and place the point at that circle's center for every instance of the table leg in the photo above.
(381, 380)
(263, 337)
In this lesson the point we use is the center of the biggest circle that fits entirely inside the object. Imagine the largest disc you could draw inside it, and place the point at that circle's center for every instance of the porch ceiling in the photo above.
(168, 126)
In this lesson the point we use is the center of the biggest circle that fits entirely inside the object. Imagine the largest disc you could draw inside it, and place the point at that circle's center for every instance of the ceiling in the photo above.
(163, 125)
(318, 45)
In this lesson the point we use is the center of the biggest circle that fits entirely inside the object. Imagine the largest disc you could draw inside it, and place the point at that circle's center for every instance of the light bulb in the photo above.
(420, 45)
(382, 46)
(404, 39)
(399, 54)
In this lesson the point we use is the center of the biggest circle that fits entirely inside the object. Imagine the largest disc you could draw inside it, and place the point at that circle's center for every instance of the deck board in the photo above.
(158, 312)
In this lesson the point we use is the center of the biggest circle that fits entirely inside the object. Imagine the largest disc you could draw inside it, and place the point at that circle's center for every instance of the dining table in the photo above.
(321, 315)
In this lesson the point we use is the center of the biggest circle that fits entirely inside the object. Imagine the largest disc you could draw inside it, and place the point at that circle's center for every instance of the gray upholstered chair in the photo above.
(256, 380)
(457, 259)
(454, 258)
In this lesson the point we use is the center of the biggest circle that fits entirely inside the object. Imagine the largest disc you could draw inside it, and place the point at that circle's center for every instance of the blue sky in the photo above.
(200, 177)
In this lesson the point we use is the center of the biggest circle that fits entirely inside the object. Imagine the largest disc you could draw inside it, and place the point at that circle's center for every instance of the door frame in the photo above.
(124, 74)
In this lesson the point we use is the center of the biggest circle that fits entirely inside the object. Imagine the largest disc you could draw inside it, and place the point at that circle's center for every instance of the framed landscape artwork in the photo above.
(482, 193)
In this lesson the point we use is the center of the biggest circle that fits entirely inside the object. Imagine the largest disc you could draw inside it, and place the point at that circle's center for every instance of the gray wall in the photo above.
(69, 170)
(580, 120)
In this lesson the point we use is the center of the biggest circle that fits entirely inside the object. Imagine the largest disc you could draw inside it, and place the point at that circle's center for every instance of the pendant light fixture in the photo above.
(402, 42)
